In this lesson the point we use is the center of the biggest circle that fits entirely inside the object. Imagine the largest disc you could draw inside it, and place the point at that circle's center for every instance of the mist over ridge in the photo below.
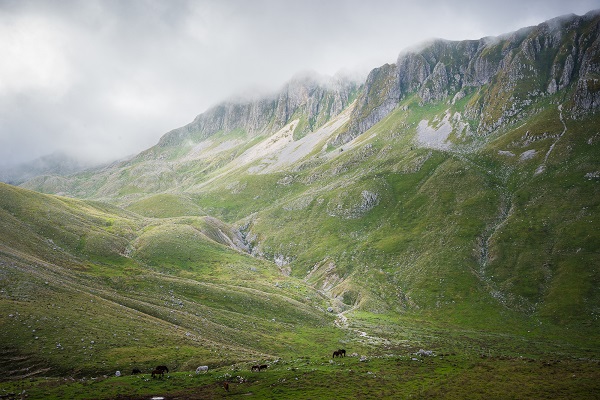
(110, 79)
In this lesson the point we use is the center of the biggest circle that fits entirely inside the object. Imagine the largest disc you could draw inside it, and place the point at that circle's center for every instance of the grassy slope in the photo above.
(73, 303)
(474, 238)
(445, 377)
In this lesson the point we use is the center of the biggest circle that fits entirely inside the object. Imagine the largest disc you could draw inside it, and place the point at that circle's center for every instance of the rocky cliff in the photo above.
(495, 79)
(558, 56)
(314, 98)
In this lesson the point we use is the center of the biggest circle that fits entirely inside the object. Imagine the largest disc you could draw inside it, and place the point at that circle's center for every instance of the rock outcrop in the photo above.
(508, 72)
(316, 99)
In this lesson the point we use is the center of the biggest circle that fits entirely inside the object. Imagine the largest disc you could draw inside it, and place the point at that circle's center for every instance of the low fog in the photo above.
(101, 80)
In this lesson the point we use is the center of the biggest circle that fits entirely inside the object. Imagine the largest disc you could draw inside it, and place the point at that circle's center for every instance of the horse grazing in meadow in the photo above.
(158, 372)
(162, 368)
(255, 368)
(263, 366)
(339, 353)
(226, 386)
(136, 371)
(202, 368)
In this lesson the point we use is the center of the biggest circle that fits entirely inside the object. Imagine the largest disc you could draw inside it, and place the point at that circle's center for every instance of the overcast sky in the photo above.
(105, 79)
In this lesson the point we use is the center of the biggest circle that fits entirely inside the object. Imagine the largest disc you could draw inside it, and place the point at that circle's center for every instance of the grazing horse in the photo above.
(336, 354)
(255, 368)
(162, 368)
(202, 368)
(226, 386)
(136, 371)
(158, 372)
(261, 367)
(342, 352)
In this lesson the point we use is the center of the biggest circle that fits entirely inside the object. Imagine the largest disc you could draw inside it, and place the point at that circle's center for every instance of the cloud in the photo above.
(102, 79)
(32, 56)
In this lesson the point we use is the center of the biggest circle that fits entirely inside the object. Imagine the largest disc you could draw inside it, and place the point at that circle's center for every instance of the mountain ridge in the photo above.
(476, 63)
(320, 99)
(424, 74)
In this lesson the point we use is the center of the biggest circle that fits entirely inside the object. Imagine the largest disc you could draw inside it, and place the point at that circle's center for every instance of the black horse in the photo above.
(336, 354)
(342, 352)
(162, 368)
(158, 372)
(136, 371)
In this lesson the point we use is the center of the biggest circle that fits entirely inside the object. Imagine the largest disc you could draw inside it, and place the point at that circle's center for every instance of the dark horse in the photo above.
(162, 368)
(342, 352)
(336, 354)
(158, 372)
(136, 371)
(261, 367)
(255, 368)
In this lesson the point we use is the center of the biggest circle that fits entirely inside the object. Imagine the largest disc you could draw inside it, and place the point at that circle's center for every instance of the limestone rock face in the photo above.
(435, 87)
(380, 95)
(412, 71)
(587, 89)
(508, 71)
(316, 98)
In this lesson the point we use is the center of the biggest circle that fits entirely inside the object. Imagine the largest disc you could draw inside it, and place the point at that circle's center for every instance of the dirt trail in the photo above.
(542, 167)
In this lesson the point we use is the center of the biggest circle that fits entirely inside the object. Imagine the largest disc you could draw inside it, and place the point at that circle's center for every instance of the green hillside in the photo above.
(88, 289)
(475, 237)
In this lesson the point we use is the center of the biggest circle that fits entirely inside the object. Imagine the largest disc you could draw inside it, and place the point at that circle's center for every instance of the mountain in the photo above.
(507, 74)
(456, 189)
(213, 139)
(53, 164)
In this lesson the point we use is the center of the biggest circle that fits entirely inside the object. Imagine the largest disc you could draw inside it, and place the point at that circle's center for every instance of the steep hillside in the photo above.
(458, 186)
(88, 289)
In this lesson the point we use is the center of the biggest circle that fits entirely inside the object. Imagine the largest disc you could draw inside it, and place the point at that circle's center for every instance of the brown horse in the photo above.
(336, 354)
(226, 386)
(342, 352)
(162, 368)
(158, 372)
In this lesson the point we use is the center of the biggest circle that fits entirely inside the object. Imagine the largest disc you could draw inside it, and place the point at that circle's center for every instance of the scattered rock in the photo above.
(424, 353)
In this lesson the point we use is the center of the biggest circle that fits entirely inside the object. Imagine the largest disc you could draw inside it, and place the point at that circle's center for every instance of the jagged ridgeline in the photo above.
(460, 184)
